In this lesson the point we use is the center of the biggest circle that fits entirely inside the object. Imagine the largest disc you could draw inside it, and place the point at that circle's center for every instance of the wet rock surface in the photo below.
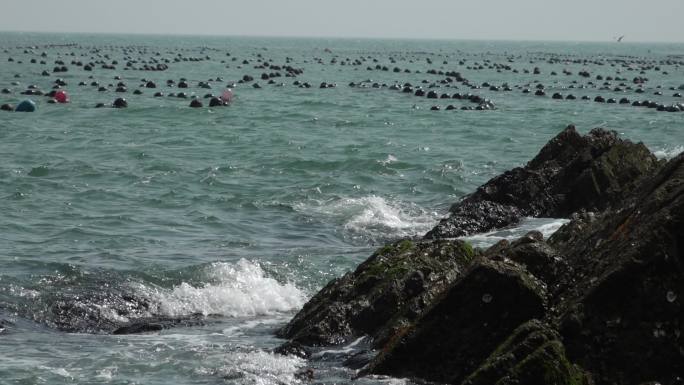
(388, 290)
(472, 317)
(571, 173)
(619, 299)
(100, 307)
(533, 352)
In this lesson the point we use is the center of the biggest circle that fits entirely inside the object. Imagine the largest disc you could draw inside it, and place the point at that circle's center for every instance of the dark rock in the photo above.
(388, 290)
(195, 103)
(620, 299)
(533, 354)
(137, 328)
(359, 360)
(476, 314)
(292, 348)
(533, 253)
(6, 107)
(4, 325)
(570, 173)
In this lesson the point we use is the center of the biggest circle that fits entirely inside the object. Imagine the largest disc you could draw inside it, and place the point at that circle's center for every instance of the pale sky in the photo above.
(571, 20)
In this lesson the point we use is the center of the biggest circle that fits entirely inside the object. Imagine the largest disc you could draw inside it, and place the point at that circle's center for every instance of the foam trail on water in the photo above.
(373, 216)
(546, 226)
(236, 290)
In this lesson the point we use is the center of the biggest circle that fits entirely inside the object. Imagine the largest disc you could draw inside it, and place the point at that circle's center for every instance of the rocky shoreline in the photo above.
(599, 302)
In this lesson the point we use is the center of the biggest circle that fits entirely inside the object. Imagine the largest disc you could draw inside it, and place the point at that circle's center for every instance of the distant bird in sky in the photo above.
(619, 38)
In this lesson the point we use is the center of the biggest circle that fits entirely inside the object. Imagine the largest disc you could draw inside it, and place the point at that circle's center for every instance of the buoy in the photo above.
(227, 96)
(27, 105)
(120, 103)
(61, 97)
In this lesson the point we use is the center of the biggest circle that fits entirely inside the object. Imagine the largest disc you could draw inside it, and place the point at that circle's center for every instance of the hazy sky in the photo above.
(575, 20)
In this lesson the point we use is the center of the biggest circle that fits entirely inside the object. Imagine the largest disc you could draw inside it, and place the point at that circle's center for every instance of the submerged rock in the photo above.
(4, 325)
(387, 291)
(570, 173)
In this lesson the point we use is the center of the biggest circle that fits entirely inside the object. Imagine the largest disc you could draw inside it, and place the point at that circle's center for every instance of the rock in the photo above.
(196, 103)
(620, 299)
(388, 290)
(137, 328)
(4, 325)
(292, 348)
(6, 107)
(533, 354)
(570, 173)
(530, 251)
(476, 314)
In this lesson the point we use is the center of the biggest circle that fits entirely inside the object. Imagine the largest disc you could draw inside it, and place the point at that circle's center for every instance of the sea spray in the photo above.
(234, 289)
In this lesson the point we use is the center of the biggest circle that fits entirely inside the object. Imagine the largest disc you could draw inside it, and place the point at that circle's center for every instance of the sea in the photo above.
(238, 214)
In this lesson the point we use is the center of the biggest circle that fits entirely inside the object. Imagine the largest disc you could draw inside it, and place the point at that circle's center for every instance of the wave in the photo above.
(547, 226)
(668, 152)
(373, 216)
(237, 290)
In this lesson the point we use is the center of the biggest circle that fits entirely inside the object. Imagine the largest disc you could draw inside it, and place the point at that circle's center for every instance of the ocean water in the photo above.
(238, 214)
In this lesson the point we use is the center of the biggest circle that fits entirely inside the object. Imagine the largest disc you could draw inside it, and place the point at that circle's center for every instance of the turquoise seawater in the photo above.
(241, 213)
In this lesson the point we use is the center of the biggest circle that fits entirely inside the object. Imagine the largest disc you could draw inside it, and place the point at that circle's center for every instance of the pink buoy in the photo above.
(227, 96)
(61, 97)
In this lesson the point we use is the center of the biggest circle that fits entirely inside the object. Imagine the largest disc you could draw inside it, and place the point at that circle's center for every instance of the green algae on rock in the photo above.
(388, 290)
(476, 313)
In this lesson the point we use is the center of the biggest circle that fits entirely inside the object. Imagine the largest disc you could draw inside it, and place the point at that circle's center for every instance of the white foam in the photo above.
(341, 351)
(668, 152)
(236, 290)
(107, 374)
(389, 160)
(373, 215)
(261, 368)
(547, 226)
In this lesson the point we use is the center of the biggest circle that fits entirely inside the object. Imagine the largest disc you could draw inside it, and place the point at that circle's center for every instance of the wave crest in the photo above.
(236, 290)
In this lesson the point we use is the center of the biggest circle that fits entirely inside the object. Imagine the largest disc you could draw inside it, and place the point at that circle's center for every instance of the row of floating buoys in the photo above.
(29, 105)
(62, 97)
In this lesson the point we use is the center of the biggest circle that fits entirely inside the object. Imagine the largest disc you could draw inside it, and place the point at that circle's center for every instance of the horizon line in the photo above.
(201, 34)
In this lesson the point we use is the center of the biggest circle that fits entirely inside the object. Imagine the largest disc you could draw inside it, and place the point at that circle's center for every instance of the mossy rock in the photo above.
(532, 355)
(388, 290)
(466, 323)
